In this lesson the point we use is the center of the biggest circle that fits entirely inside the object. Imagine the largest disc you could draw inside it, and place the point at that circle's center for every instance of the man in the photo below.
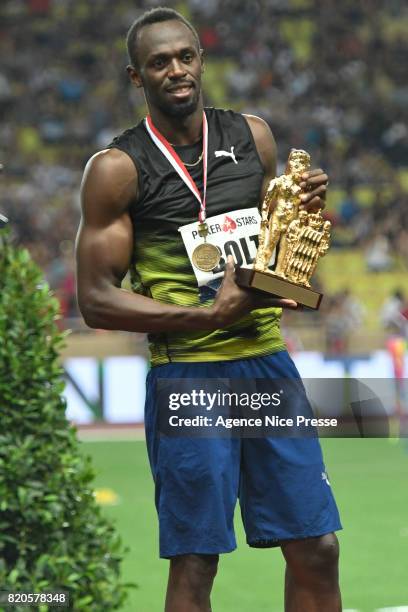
(136, 195)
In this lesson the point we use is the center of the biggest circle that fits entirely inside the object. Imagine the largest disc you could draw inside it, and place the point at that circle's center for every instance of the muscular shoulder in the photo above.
(264, 141)
(110, 180)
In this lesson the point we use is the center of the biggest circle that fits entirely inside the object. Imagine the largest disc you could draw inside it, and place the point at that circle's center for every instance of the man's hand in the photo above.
(233, 302)
(314, 186)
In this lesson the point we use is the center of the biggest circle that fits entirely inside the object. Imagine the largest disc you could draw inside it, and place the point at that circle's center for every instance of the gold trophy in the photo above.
(299, 237)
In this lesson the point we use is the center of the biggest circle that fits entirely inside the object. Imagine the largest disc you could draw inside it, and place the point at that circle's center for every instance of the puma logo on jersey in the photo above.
(226, 154)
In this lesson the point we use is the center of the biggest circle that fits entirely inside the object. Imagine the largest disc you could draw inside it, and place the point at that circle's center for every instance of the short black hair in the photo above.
(155, 15)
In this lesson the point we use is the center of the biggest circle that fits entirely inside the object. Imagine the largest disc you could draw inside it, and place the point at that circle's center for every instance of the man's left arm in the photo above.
(314, 183)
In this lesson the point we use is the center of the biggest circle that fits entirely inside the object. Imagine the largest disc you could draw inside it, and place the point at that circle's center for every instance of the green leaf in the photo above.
(53, 535)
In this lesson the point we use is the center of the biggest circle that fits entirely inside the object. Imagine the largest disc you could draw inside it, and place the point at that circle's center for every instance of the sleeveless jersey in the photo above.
(160, 267)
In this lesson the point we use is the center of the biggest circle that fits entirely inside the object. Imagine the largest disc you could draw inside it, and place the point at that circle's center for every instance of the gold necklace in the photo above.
(190, 165)
(195, 163)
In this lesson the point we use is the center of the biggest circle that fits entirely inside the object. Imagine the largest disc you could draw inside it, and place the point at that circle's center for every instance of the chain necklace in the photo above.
(195, 163)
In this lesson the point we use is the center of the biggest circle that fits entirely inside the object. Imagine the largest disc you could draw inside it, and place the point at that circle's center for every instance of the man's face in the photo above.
(170, 68)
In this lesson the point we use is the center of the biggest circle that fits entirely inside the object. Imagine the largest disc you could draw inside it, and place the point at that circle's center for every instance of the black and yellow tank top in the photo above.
(160, 267)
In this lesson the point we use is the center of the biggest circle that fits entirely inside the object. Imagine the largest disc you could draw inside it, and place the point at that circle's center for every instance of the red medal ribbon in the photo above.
(168, 151)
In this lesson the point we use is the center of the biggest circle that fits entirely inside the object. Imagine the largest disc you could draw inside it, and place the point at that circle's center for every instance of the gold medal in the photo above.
(206, 257)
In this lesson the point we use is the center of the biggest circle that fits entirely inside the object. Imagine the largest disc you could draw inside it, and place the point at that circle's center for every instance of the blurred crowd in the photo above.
(328, 76)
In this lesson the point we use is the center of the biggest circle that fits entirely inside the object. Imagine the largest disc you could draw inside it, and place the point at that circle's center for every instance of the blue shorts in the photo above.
(281, 483)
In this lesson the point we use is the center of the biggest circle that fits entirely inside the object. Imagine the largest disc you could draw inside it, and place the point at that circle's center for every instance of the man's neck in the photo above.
(179, 130)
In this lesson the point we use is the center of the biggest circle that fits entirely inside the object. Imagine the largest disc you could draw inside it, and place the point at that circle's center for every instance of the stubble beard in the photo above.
(179, 110)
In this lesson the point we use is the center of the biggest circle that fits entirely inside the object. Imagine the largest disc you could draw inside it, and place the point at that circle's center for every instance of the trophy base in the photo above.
(276, 285)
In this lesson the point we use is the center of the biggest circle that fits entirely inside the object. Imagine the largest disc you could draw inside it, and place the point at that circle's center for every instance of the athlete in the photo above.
(185, 174)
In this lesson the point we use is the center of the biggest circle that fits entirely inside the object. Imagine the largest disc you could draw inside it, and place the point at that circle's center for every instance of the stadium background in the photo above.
(328, 77)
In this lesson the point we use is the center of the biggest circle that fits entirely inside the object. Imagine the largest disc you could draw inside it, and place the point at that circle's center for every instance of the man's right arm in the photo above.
(104, 249)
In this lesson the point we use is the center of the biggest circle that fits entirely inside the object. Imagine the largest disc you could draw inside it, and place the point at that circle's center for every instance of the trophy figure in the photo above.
(299, 238)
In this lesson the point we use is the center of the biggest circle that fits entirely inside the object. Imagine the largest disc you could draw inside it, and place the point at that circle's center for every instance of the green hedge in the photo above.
(52, 533)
